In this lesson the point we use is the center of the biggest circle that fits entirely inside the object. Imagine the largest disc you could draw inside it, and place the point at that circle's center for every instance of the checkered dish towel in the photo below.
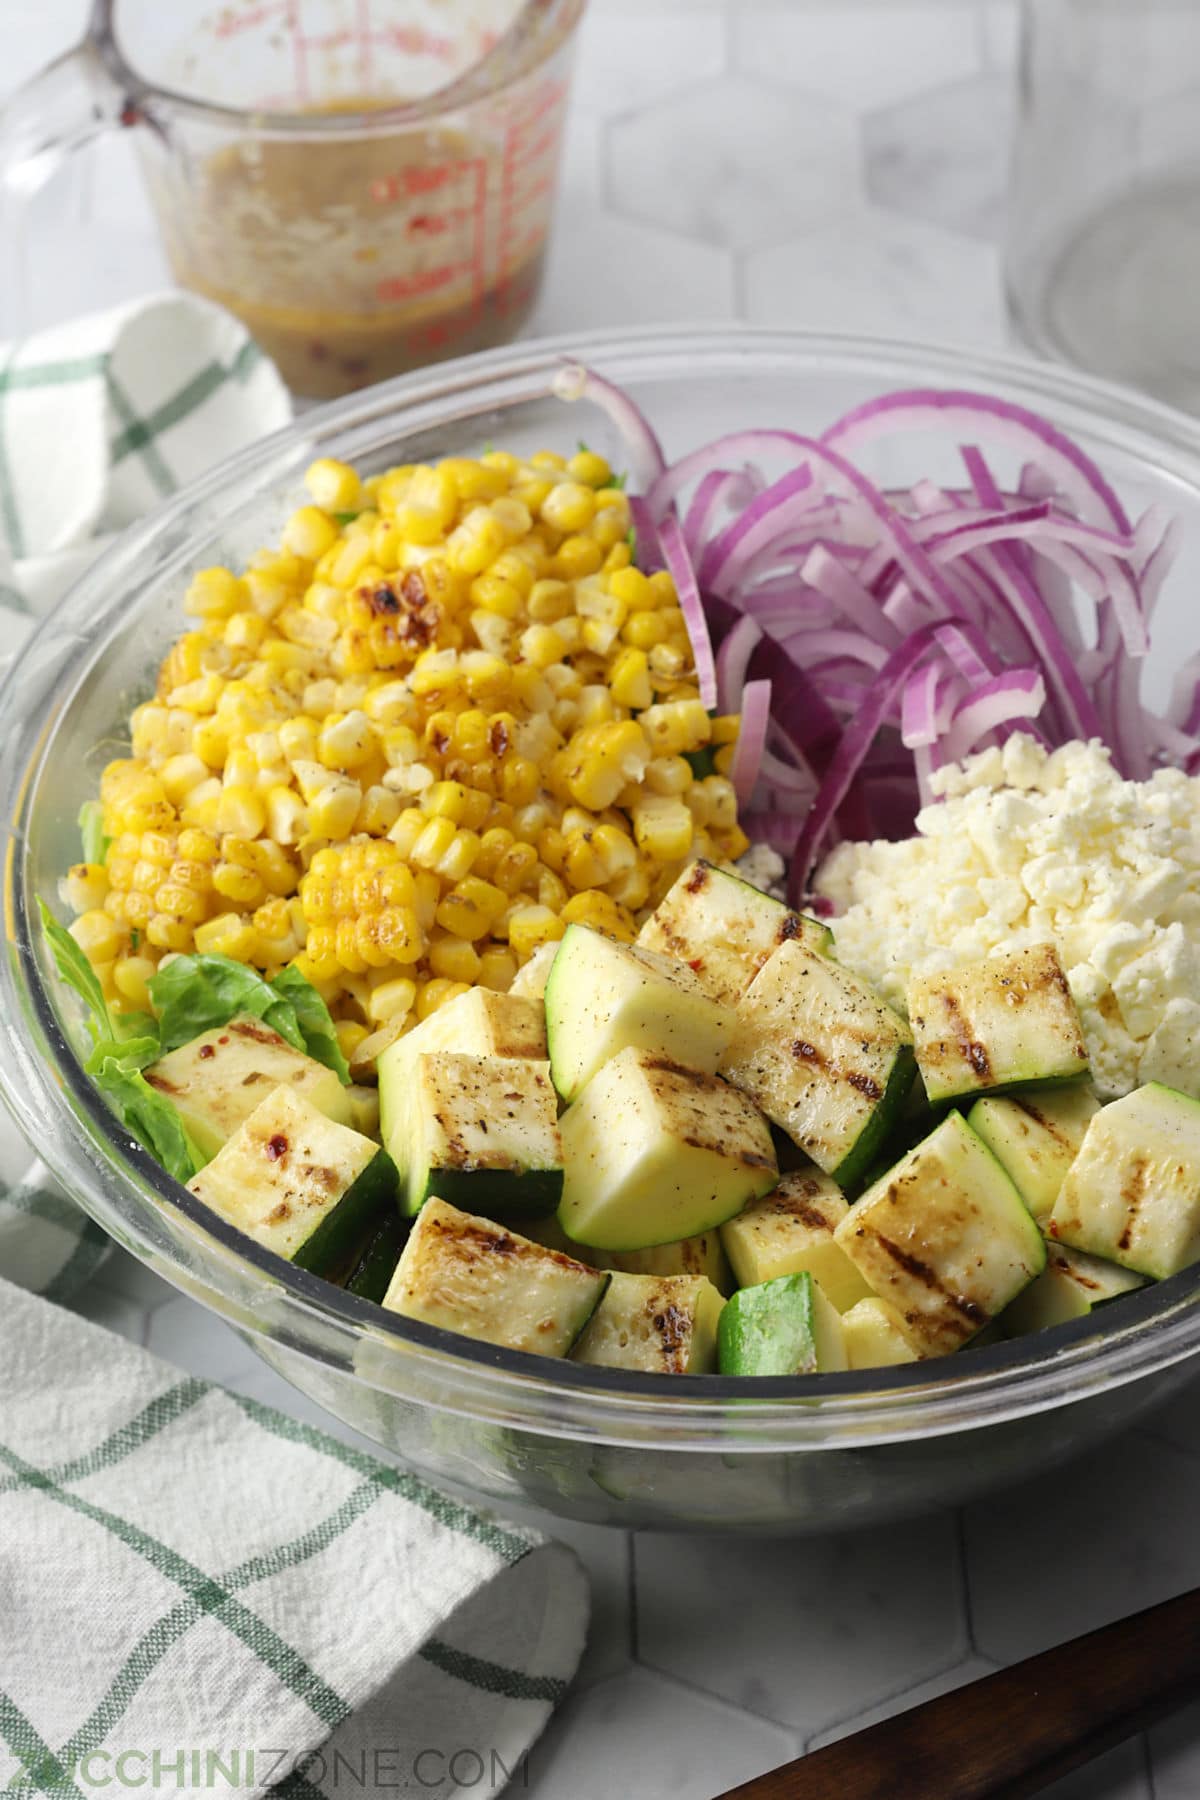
(196, 1592)
(99, 420)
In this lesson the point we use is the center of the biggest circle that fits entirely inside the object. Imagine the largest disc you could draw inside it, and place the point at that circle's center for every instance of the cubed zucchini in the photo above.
(875, 1337)
(780, 1327)
(603, 997)
(791, 1230)
(945, 1237)
(375, 1264)
(297, 1182)
(699, 1255)
(823, 1057)
(472, 1276)
(657, 1324)
(1037, 1137)
(654, 1152)
(1005, 1021)
(483, 1134)
(1132, 1195)
(724, 929)
(1069, 1286)
(217, 1080)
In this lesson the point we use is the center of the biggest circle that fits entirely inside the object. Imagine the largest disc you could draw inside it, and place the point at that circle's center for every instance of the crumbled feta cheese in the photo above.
(763, 868)
(1028, 846)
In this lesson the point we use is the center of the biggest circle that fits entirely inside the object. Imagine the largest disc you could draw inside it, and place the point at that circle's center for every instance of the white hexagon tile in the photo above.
(832, 164)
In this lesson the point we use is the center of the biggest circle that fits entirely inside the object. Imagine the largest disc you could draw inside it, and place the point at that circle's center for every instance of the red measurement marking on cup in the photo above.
(366, 46)
(420, 282)
(230, 24)
(299, 53)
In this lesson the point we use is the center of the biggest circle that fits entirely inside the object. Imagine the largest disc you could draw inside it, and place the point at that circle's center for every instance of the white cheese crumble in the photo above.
(1028, 846)
(763, 868)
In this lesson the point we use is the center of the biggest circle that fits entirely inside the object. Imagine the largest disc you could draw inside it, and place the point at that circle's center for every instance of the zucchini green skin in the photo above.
(372, 1273)
(855, 1170)
(776, 1328)
(343, 1226)
(502, 1194)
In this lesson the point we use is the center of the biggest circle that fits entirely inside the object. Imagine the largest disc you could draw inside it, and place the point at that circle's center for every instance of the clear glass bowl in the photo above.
(769, 1455)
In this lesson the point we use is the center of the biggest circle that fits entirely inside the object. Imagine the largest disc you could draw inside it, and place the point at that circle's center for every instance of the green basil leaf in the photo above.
(78, 973)
(151, 1118)
(194, 994)
(91, 830)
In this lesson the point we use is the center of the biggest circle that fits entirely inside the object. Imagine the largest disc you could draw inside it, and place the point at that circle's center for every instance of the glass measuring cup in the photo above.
(367, 184)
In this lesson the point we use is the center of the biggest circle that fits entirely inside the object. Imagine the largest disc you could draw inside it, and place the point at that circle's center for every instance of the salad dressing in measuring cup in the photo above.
(367, 184)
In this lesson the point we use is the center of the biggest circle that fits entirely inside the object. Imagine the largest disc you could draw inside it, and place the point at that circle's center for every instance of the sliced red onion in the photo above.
(680, 564)
(724, 490)
(751, 743)
(646, 460)
(733, 660)
(763, 522)
(1016, 694)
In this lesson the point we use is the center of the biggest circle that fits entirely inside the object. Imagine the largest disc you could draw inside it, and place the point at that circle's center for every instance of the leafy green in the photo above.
(193, 994)
(152, 1119)
(123, 1044)
(619, 481)
(631, 540)
(312, 1015)
(344, 518)
(91, 830)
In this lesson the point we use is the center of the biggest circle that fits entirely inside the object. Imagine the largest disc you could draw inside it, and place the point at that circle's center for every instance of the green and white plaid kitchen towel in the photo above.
(99, 420)
(196, 1592)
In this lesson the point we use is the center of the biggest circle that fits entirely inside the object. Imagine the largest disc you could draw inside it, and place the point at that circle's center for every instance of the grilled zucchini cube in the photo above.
(483, 1135)
(781, 1327)
(472, 1276)
(657, 1324)
(603, 997)
(1069, 1286)
(1006, 1021)
(216, 1081)
(376, 1261)
(654, 1152)
(1132, 1195)
(724, 929)
(945, 1237)
(823, 1057)
(477, 1023)
(875, 1337)
(299, 1183)
(699, 1255)
(1037, 1137)
(789, 1231)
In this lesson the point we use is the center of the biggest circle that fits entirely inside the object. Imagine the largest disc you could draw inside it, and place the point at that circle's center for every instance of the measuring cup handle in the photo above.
(56, 113)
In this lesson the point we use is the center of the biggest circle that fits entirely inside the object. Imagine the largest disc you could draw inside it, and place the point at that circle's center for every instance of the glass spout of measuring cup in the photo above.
(368, 184)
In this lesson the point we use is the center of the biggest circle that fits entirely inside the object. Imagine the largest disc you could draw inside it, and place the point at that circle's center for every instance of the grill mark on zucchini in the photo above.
(1133, 1192)
(921, 1271)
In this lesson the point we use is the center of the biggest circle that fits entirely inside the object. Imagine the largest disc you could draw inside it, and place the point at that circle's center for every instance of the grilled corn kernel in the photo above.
(602, 913)
(588, 466)
(454, 959)
(98, 935)
(576, 557)
(530, 928)
(334, 486)
(84, 887)
(662, 825)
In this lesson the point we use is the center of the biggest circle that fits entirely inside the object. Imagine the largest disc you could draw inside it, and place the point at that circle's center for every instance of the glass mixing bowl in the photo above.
(629, 1450)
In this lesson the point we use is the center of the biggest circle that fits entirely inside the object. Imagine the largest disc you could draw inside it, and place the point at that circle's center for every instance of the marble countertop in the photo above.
(830, 165)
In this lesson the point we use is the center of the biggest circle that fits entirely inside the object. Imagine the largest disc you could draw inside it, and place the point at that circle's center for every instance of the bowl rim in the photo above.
(1130, 1338)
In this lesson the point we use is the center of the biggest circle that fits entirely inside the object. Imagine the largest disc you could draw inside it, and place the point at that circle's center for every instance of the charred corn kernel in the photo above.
(629, 679)
(447, 800)
(350, 1034)
(497, 967)
(615, 849)
(334, 486)
(84, 887)
(515, 867)
(181, 903)
(588, 466)
(540, 645)
(604, 761)
(98, 935)
(378, 813)
(240, 885)
(436, 993)
(429, 507)
(569, 506)
(310, 533)
(454, 959)
(582, 866)
(333, 810)
(668, 775)
(494, 594)
(551, 847)
(197, 846)
(531, 927)
(131, 977)
(427, 888)
(487, 679)
(548, 601)
(214, 594)
(493, 845)
(136, 911)
(470, 908)
(722, 803)
(433, 842)
(674, 727)
(602, 913)
(241, 812)
(346, 740)
(643, 630)
(576, 557)
(662, 825)
(520, 780)
(551, 891)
